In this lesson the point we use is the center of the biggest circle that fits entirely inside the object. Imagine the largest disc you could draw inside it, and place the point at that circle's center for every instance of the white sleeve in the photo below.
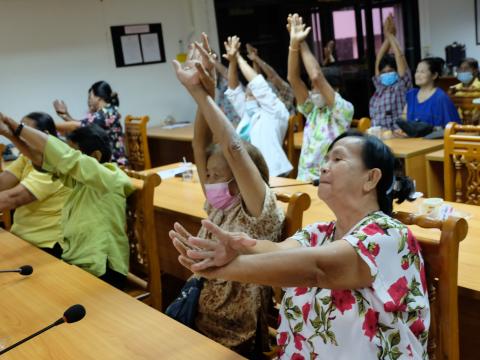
(237, 99)
(266, 98)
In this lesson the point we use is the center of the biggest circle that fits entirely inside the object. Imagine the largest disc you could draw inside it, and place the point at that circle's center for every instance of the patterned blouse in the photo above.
(108, 119)
(388, 320)
(322, 127)
(228, 312)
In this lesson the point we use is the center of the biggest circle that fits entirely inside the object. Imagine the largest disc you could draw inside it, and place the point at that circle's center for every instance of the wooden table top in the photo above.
(116, 325)
(436, 155)
(401, 147)
(184, 133)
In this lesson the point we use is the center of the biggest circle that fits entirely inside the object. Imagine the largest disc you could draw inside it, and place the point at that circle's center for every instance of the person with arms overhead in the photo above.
(392, 80)
(94, 215)
(234, 178)
(327, 113)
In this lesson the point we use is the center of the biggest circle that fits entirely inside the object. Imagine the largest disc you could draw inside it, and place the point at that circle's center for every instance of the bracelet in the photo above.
(18, 130)
(293, 49)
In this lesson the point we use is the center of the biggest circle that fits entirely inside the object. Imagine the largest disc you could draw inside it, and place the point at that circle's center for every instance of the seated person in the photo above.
(234, 178)
(280, 87)
(103, 106)
(327, 113)
(392, 80)
(94, 214)
(264, 116)
(467, 74)
(37, 197)
(429, 103)
(355, 287)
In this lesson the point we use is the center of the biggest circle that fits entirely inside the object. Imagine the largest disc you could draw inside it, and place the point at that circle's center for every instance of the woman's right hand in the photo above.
(60, 107)
(389, 26)
(298, 32)
(232, 47)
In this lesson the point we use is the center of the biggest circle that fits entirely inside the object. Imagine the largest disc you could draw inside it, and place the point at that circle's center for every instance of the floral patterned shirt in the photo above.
(388, 320)
(108, 119)
(321, 128)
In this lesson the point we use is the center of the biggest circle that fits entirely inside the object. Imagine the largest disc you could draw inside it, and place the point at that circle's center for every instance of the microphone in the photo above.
(313, 182)
(72, 314)
(23, 270)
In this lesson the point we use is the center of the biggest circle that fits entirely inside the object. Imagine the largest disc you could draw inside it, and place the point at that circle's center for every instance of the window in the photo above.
(317, 36)
(345, 34)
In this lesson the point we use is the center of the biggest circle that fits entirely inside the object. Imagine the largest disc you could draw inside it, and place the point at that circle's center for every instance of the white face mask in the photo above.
(318, 99)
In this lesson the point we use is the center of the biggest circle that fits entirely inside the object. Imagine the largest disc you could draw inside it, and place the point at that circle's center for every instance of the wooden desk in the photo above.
(434, 166)
(412, 151)
(170, 145)
(116, 325)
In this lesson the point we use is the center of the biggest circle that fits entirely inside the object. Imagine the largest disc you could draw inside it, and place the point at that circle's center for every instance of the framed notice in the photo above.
(138, 44)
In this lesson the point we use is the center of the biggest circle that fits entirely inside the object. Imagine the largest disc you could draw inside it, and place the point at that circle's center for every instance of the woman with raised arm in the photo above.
(327, 113)
(94, 214)
(261, 111)
(103, 111)
(392, 80)
(355, 288)
(234, 178)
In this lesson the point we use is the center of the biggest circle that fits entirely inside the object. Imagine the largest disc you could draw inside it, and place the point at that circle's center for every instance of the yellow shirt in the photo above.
(475, 85)
(40, 221)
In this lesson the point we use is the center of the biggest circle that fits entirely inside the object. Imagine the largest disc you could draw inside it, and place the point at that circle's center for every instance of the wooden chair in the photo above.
(136, 142)
(441, 265)
(468, 111)
(5, 216)
(144, 282)
(361, 125)
(462, 163)
(295, 124)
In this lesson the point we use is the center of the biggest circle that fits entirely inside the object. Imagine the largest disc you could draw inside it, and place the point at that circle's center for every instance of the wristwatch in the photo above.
(18, 130)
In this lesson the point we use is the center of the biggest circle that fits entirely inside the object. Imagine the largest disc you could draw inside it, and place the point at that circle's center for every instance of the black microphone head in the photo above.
(74, 313)
(315, 182)
(26, 270)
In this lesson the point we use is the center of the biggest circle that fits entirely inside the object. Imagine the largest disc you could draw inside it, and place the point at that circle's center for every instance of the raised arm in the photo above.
(269, 72)
(248, 72)
(232, 45)
(402, 66)
(247, 176)
(298, 33)
(381, 53)
(62, 110)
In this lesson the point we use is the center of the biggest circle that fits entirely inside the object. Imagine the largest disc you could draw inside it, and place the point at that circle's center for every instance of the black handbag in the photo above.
(184, 307)
(414, 128)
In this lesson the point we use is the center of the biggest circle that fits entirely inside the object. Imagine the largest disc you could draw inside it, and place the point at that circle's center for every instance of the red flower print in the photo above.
(374, 248)
(412, 243)
(418, 327)
(370, 324)
(326, 228)
(305, 311)
(300, 291)
(282, 338)
(392, 307)
(409, 349)
(313, 239)
(298, 339)
(365, 252)
(372, 229)
(343, 300)
(297, 356)
(399, 290)
(423, 278)
(405, 263)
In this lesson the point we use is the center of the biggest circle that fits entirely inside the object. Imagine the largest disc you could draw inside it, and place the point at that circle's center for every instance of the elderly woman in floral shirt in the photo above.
(355, 288)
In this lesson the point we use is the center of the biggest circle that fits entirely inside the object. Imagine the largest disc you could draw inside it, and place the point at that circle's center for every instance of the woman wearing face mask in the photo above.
(327, 113)
(467, 74)
(428, 103)
(234, 178)
(392, 80)
(103, 111)
(264, 118)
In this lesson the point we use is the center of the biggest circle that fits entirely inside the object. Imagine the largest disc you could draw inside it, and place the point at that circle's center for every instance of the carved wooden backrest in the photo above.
(295, 124)
(144, 268)
(469, 111)
(441, 266)
(462, 163)
(137, 142)
(5, 215)
(361, 125)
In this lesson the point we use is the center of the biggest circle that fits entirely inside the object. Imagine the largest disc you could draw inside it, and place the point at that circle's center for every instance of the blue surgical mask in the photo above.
(389, 78)
(465, 77)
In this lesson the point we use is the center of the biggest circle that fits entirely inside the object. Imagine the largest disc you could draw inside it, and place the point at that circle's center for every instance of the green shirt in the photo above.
(94, 215)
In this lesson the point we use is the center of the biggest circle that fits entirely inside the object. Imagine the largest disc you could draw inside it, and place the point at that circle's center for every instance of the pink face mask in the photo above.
(219, 196)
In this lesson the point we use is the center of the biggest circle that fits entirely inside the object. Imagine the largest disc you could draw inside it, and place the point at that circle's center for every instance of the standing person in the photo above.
(428, 103)
(103, 111)
(327, 113)
(392, 80)
(37, 197)
(355, 287)
(281, 88)
(234, 179)
(264, 116)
